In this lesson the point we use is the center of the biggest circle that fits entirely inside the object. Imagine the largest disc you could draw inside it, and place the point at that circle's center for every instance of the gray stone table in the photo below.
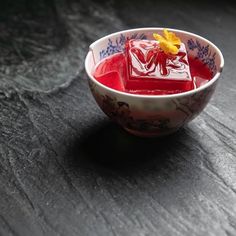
(65, 169)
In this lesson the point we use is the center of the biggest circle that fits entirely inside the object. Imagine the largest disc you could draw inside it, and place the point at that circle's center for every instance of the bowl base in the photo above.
(150, 134)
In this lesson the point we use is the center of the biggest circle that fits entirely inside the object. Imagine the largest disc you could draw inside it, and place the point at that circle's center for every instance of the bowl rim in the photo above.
(177, 95)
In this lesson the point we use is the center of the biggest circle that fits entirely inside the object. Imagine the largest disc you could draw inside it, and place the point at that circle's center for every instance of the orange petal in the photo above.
(168, 48)
(158, 37)
(171, 37)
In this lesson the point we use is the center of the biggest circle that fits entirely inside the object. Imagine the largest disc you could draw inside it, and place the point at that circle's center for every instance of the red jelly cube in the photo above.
(149, 68)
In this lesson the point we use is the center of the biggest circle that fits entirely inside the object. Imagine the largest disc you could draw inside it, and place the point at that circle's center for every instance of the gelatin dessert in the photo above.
(153, 67)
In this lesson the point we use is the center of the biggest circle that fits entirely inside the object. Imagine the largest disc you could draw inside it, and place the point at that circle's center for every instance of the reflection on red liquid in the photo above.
(142, 69)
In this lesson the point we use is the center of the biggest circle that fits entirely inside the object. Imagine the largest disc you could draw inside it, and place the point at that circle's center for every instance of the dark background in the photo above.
(65, 169)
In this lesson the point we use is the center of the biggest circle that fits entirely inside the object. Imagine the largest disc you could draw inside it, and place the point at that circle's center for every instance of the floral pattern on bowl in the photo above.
(118, 44)
(203, 53)
(155, 123)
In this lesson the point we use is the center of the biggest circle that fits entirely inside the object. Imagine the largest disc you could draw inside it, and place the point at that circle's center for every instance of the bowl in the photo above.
(153, 115)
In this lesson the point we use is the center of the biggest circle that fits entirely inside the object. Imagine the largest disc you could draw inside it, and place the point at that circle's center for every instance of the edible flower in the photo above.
(169, 43)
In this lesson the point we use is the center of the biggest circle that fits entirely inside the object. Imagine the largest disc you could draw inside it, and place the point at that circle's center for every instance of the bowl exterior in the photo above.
(154, 116)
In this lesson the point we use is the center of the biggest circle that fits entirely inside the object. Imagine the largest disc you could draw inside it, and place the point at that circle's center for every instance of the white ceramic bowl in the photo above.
(153, 115)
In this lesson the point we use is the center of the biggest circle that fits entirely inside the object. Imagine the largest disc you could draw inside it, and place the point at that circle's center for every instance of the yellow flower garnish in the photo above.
(169, 43)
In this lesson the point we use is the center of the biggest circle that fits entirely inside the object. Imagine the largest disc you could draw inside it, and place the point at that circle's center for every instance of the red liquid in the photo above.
(113, 72)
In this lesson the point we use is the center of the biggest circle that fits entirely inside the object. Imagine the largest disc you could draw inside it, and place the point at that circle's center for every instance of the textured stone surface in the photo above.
(65, 169)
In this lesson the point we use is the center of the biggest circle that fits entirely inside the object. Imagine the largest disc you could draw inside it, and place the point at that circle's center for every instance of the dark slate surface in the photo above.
(65, 169)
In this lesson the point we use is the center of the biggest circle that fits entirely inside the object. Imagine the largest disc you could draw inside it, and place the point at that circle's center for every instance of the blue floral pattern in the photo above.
(118, 44)
(203, 53)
